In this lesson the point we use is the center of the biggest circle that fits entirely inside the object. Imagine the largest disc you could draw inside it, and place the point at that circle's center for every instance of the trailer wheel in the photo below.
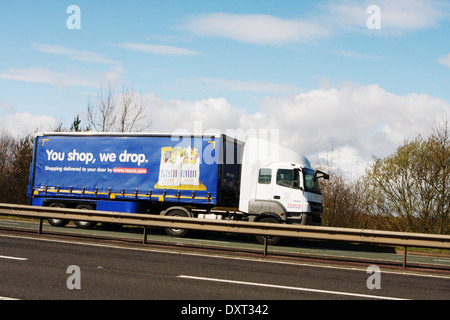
(173, 232)
(57, 222)
(271, 240)
(85, 224)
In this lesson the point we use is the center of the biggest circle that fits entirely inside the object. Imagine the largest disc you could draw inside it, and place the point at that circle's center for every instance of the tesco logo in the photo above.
(294, 205)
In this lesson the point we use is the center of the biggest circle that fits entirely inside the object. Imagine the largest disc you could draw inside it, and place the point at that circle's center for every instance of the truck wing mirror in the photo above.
(324, 175)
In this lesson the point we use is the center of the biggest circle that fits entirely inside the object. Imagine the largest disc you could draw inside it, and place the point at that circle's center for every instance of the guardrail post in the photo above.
(144, 240)
(404, 258)
(265, 246)
(41, 220)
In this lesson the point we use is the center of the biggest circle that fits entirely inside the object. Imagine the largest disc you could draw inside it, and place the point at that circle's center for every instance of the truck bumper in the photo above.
(311, 219)
(304, 218)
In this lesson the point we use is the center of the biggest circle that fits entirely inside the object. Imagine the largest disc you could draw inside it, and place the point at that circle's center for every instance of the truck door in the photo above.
(264, 185)
(284, 183)
(286, 189)
(278, 188)
(279, 184)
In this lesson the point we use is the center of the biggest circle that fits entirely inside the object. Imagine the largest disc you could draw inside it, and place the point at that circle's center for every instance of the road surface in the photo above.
(33, 268)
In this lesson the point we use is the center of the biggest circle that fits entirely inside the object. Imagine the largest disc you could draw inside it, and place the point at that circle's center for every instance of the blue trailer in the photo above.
(134, 173)
(190, 175)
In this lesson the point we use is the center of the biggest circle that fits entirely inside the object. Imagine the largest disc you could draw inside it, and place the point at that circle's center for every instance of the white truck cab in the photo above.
(279, 183)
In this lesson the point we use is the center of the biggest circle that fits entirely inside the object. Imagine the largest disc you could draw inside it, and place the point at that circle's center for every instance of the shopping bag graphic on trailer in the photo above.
(170, 166)
(190, 167)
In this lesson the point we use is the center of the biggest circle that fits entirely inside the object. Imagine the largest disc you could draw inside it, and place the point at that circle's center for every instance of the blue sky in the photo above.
(311, 69)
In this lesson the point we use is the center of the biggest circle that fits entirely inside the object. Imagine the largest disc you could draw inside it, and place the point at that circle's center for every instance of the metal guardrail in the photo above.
(404, 239)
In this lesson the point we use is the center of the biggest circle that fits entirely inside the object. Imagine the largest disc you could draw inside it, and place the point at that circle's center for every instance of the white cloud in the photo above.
(22, 124)
(333, 18)
(411, 15)
(445, 60)
(350, 123)
(247, 86)
(7, 107)
(42, 75)
(366, 118)
(357, 55)
(177, 114)
(80, 55)
(396, 17)
(255, 28)
(157, 49)
(356, 121)
(345, 158)
(113, 75)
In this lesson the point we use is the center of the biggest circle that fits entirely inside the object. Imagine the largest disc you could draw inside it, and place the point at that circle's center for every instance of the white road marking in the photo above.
(442, 260)
(290, 288)
(13, 258)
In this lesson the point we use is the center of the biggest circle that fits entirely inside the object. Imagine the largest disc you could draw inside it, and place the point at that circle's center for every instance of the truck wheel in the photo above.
(85, 224)
(173, 232)
(57, 222)
(271, 240)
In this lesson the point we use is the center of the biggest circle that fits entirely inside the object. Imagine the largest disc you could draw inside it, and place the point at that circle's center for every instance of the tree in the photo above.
(341, 198)
(101, 115)
(342, 203)
(6, 155)
(76, 125)
(439, 150)
(15, 159)
(123, 113)
(408, 190)
(22, 157)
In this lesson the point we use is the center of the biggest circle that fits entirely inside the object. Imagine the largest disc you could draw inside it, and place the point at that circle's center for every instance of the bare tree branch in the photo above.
(123, 113)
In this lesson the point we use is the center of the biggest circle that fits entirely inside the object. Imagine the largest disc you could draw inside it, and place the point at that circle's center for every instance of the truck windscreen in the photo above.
(311, 181)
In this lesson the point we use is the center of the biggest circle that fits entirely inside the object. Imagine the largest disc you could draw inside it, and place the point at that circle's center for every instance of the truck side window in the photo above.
(285, 178)
(265, 176)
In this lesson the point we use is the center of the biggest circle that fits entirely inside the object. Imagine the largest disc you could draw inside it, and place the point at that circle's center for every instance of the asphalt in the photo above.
(303, 247)
(37, 269)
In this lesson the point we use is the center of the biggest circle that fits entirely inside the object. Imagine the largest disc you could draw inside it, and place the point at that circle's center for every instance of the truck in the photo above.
(203, 176)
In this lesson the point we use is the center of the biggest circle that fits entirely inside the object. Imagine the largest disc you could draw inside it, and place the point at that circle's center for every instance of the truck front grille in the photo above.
(316, 207)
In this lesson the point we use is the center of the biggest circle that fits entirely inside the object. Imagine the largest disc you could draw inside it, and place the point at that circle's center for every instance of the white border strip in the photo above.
(291, 288)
